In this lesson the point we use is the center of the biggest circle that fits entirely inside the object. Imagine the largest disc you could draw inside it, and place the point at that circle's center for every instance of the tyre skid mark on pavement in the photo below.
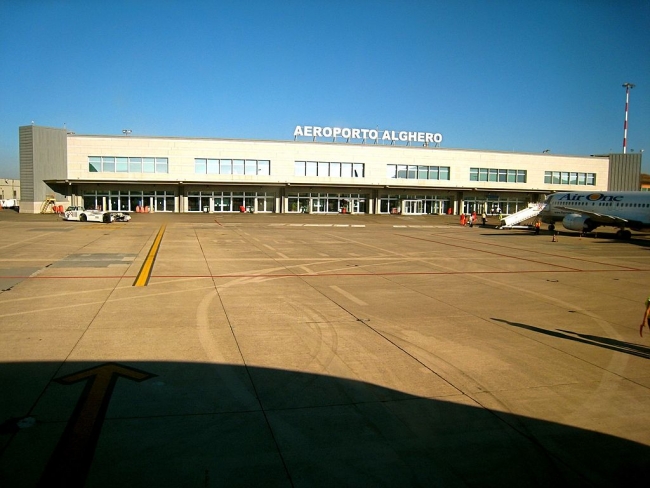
(358, 274)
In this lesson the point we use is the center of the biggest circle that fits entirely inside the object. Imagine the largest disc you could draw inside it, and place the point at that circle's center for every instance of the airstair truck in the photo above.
(511, 221)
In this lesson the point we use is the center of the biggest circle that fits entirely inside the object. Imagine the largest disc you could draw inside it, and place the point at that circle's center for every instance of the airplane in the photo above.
(583, 211)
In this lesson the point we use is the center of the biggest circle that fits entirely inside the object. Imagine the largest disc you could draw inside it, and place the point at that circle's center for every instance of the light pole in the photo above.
(627, 87)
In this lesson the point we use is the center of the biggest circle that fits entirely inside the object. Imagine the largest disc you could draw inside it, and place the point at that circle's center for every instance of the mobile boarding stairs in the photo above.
(512, 221)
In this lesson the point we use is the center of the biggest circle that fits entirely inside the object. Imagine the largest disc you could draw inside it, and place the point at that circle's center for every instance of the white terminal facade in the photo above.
(322, 170)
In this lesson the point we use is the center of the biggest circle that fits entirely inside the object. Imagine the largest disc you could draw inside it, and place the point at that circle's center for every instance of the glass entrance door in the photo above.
(160, 204)
(318, 205)
(413, 207)
(249, 204)
(357, 205)
(114, 204)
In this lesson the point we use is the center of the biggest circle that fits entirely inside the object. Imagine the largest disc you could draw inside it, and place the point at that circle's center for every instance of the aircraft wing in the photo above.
(602, 219)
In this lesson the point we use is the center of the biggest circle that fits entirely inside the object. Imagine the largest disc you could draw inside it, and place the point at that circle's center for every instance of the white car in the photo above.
(9, 203)
(82, 215)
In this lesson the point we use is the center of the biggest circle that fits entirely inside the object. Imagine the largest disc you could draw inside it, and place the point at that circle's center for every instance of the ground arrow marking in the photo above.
(69, 464)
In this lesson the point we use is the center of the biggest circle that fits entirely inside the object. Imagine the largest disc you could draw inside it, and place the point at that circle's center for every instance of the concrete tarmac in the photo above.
(320, 350)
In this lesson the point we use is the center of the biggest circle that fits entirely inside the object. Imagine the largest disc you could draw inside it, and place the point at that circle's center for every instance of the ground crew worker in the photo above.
(537, 226)
(646, 317)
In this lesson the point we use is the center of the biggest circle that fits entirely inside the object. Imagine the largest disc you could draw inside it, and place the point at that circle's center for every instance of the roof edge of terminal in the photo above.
(353, 144)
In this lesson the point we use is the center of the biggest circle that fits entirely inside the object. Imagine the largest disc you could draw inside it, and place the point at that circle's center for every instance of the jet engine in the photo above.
(578, 222)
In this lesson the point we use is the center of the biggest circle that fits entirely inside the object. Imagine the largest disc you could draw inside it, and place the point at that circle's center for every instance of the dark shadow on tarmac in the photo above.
(602, 342)
(639, 240)
(599, 238)
(510, 233)
(144, 424)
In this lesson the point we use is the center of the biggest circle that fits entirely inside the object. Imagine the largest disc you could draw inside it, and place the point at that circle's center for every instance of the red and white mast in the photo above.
(627, 87)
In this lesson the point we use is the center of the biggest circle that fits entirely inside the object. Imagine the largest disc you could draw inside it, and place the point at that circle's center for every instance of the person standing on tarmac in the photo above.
(537, 226)
(646, 317)
(484, 218)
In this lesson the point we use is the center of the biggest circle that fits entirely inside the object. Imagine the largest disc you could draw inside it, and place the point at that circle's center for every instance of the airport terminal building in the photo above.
(322, 170)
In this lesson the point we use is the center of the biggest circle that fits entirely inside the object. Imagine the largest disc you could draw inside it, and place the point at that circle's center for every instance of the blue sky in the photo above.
(501, 75)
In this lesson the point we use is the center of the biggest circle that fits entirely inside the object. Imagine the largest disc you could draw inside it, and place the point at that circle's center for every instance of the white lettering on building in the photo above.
(367, 134)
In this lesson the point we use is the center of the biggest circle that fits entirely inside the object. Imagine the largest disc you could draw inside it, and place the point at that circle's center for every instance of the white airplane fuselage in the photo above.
(584, 211)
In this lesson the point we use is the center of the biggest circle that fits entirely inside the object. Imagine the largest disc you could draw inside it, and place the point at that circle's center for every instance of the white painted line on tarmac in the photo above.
(348, 295)
(324, 225)
(422, 226)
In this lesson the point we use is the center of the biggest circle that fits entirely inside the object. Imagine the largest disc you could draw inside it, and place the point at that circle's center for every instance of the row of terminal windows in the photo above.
(568, 178)
(413, 172)
(218, 201)
(500, 175)
(111, 164)
(130, 200)
(333, 170)
(232, 167)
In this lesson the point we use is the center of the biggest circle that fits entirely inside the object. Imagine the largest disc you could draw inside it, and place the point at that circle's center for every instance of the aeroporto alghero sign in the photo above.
(367, 134)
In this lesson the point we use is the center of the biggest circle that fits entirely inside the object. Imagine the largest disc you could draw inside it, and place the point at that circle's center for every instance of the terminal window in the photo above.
(330, 169)
(569, 178)
(260, 167)
(417, 172)
(120, 164)
(498, 175)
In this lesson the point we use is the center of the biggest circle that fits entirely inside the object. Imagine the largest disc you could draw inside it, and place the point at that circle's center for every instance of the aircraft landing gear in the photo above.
(623, 234)
(551, 227)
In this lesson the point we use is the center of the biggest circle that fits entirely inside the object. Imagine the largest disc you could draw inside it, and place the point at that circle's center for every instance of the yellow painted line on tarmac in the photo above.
(145, 272)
